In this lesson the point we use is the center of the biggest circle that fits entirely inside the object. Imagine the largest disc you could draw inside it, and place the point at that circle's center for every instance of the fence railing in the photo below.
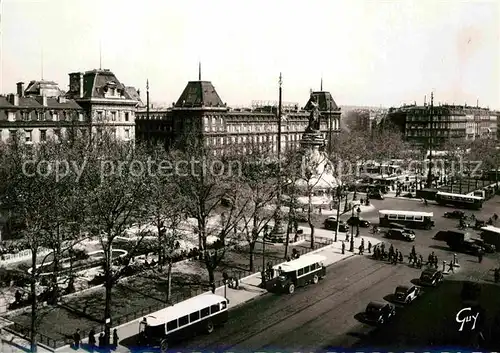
(22, 255)
(40, 338)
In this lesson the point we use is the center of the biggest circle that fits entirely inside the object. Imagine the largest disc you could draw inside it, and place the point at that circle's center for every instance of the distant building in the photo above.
(200, 113)
(107, 102)
(447, 122)
(39, 112)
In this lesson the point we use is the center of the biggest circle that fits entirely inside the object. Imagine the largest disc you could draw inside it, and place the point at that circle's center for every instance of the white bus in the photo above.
(491, 235)
(411, 219)
(459, 200)
(183, 320)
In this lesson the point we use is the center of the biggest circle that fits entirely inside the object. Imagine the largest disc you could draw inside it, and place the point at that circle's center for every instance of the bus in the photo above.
(297, 273)
(459, 200)
(491, 235)
(411, 219)
(183, 320)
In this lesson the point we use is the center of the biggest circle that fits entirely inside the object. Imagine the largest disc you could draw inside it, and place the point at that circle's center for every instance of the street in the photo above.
(326, 314)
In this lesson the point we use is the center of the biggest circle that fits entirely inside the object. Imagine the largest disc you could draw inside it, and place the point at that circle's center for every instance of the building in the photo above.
(200, 113)
(444, 123)
(108, 103)
(39, 112)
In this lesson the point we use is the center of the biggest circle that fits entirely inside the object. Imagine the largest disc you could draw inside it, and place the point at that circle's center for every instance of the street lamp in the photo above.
(358, 211)
(264, 257)
(339, 195)
(351, 248)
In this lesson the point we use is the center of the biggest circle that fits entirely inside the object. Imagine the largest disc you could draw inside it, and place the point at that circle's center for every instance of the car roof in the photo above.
(376, 305)
(430, 271)
(405, 287)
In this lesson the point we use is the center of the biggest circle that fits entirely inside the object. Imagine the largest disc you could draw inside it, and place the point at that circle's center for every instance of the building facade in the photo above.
(108, 103)
(39, 112)
(444, 122)
(199, 113)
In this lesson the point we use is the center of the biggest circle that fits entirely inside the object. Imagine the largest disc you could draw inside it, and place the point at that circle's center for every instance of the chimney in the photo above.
(20, 89)
(44, 101)
(13, 99)
(81, 85)
(61, 99)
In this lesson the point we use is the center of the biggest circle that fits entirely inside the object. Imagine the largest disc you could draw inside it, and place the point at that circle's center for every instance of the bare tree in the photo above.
(116, 195)
(205, 180)
(258, 188)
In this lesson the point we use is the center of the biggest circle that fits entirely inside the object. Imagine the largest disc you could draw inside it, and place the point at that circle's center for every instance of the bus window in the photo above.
(418, 218)
(214, 309)
(183, 321)
(392, 216)
(410, 218)
(301, 272)
(205, 312)
(172, 325)
(223, 305)
(306, 269)
(401, 216)
(194, 316)
(314, 266)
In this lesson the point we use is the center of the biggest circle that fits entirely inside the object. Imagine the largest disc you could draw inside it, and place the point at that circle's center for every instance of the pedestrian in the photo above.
(436, 261)
(451, 268)
(369, 247)
(101, 341)
(400, 257)
(480, 256)
(413, 252)
(343, 248)
(346, 236)
(212, 286)
(362, 242)
(430, 259)
(497, 275)
(77, 339)
(382, 247)
(360, 250)
(92, 338)
(115, 338)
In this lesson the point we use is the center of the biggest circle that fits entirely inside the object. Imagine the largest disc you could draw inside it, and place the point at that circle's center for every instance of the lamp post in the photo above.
(339, 194)
(264, 257)
(351, 248)
(358, 211)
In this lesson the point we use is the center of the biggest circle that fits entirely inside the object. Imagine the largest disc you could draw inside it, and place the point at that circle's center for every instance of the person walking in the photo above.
(480, 256)
(77, 339)
(92, 339)
(451, 268)
(343, 248)
(115, 338)
(101, 340)
(369, 247)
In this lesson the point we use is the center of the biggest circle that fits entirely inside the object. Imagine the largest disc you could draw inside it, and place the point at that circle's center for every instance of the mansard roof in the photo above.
(324, 100)
(199, 94)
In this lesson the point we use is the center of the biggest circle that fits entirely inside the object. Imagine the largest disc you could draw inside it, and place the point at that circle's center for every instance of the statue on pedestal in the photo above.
(313, 117)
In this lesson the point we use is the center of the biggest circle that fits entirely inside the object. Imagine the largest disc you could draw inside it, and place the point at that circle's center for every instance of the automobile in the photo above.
(331, 224)
(489, 248)
(362, 222)
(468, 246)
(396, 225)
(379, 312)
(457, 214)
(375, 195)
(431, 277)
(406, 294)
(399, 234)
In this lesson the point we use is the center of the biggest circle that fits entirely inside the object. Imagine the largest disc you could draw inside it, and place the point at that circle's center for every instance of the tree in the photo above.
(116, 195)
(258, 188)
(486, 156)
(205, 180)
(29, 191)
(455, 154)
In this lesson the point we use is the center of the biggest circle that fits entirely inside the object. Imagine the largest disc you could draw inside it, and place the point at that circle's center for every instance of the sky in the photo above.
(373, 53)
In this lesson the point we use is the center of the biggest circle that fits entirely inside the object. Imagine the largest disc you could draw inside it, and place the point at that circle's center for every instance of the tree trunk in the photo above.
(169, 280)
(251, 247)
(287, 239)
(338, 218)
(108, 287)
(309, 220)
(34, 309)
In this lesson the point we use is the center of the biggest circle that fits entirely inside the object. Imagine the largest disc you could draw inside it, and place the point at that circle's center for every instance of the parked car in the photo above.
(466, 246)
(396, 225)
(399, 234)
(331, 224)
(489, 248)
(375, 196)
(406, 294)
(431, 277)
(457, 214)
(353, 221)
(379, 312)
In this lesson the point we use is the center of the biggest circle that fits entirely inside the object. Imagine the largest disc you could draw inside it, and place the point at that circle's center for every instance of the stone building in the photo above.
(200, 113)
(39, 112)
(107, 102)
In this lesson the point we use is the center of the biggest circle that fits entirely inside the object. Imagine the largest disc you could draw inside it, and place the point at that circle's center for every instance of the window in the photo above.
(183, 320)
(410, 218)
(113, 116)
(214, 309)
(194, 316)
(223, 305)
(127, 133)
(392, 216)
(28, 135)
(127, 116)
(306, 269)
(13, 134)
(43, 135)
(25, 116)
(205, 312)
(418, 218)
(99, 116)
(172, 325)
(57, 132)
(301, 272)
(401, 216)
